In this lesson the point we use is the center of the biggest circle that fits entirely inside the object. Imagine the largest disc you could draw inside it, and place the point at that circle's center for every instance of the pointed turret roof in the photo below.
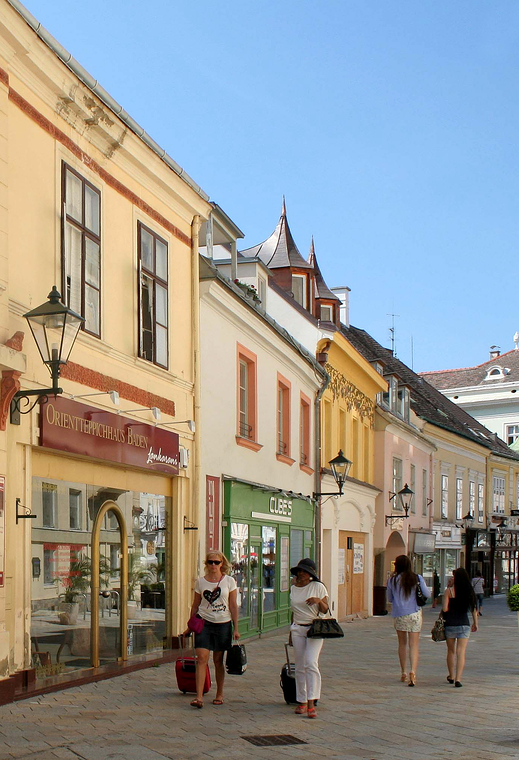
(279, 250)
(321, 288)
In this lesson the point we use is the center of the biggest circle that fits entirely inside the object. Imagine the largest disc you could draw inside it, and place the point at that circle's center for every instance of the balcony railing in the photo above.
(282, 448)
(245, 430)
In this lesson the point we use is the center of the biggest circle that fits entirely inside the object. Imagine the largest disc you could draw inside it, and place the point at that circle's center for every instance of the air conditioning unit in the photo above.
(183, 457)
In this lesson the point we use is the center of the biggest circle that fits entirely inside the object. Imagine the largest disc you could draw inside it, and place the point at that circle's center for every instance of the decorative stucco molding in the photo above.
(9, 386)
(355, 399)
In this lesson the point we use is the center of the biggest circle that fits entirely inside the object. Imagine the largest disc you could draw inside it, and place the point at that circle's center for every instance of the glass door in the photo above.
(255, 586)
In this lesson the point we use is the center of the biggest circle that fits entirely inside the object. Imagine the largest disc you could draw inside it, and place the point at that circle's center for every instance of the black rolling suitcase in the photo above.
(288, 680)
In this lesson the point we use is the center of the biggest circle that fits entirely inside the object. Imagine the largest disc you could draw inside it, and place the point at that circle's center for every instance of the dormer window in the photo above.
(403, 402)
(326, 313)
(390, 397)
(299, 289)
(495, 373)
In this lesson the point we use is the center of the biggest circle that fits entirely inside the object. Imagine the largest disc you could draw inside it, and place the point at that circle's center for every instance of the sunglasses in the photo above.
(214, 561)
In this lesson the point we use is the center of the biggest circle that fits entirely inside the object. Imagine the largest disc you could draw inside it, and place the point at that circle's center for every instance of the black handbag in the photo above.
(421, 600)
(325, 628)
(236, 660)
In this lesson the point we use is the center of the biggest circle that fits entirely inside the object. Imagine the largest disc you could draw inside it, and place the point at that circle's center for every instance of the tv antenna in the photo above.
(392, 332)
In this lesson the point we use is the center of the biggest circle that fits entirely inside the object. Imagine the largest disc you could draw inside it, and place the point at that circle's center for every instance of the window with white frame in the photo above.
(512, 434)
(262, 292)
(397, 481)
(444, 496)
(403, 402)
(413, 488)
(299, 289)
(459, 498)
(481, 504)
(424, 492)
(472, 498)
(326, 313)
(499, 494)
(49, 497)
(390, 397)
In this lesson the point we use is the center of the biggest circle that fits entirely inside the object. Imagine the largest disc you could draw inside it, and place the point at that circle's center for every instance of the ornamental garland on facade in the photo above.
(355, 399)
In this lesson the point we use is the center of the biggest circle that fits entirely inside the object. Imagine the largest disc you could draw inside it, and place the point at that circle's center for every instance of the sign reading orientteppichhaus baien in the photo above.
(80, 429)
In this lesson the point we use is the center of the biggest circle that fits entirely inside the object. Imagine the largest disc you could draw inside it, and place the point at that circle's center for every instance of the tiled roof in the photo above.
(471, 376)
(279, 250)
(321, 288)
(426, 401)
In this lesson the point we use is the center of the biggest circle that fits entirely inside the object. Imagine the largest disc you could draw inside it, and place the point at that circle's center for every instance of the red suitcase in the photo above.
(185, 669)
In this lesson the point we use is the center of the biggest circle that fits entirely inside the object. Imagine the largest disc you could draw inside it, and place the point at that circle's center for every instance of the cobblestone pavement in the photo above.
(365, 712)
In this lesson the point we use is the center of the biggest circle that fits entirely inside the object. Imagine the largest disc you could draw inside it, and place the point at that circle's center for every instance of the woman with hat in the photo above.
(308, 597)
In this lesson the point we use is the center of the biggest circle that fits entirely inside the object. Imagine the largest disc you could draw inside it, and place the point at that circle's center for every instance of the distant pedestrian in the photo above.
(308, 597)
(478, 584)
(407, 614)
(436, 589)
(215, 602)
(458, 599)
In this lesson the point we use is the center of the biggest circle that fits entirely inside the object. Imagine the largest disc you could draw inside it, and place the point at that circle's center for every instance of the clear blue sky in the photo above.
(391, 127)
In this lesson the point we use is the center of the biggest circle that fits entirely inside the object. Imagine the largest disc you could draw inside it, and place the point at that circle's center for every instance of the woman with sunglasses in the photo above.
(215, 602)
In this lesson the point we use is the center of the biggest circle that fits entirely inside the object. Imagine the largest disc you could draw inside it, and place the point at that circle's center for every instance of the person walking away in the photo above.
(436, 589)
(458, 599)
(478, 584)
(215, 602)
(406, 613)
(308, 597)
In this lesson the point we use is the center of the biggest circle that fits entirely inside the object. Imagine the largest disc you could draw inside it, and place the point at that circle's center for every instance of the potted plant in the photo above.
(137, 576)
(75, 584)
(512, 599)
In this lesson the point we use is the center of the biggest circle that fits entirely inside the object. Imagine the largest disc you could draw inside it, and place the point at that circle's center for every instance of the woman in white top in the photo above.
(308, 597)
(215, 602)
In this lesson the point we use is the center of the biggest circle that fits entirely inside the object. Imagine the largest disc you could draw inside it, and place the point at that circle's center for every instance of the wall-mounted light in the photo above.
(114, 396)
(340, 467)
(405, 499)
(153, 409)
(190, 423)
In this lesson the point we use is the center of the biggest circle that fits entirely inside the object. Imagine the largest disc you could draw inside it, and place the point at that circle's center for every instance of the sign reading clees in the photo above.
(88, 431)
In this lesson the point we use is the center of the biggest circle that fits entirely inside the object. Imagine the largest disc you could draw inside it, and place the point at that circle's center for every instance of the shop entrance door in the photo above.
(351, 573)
(255, 587)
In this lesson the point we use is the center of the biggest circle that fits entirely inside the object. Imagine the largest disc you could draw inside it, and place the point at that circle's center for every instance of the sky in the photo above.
(390, 126)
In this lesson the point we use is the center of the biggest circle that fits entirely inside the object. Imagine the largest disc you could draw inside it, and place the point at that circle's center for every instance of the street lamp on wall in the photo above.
(54, 328)
(340, 467)
(467, 520)
(405, 499)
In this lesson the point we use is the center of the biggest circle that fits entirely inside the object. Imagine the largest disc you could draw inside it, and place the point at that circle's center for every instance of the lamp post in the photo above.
(54, 328)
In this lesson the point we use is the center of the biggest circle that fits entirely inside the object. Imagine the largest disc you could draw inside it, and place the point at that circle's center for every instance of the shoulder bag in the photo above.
(438, 629)
(421, 599)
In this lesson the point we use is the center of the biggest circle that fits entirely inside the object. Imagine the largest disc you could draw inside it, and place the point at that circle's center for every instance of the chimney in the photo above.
(495, 351)
(342, 294)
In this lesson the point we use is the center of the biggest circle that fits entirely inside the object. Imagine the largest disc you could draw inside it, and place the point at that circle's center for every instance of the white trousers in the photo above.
(306, 655)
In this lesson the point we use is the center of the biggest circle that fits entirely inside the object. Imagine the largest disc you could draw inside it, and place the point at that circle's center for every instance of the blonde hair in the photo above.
(225, 567)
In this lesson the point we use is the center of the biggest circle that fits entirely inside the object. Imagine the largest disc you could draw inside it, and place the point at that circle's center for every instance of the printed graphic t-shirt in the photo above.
(214, 606)
(304, 613)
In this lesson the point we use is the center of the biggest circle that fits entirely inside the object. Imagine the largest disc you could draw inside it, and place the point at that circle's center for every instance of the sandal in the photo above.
(403, 677)
(301, 710)
(312, 712)
(218, 701)
(197, 703)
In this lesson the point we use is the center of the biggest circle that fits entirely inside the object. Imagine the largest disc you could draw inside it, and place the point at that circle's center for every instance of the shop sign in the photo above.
(2, 530)
(80, 429)
(280, 510)
(358, 558)
(424, 543)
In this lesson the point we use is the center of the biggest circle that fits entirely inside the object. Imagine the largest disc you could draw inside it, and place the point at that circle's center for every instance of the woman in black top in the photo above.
(458, 599)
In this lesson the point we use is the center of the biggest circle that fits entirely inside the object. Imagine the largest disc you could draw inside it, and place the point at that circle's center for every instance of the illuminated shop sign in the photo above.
(80, 429)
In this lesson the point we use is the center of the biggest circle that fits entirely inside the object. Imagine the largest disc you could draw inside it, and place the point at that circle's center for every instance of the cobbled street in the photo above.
(365, 712)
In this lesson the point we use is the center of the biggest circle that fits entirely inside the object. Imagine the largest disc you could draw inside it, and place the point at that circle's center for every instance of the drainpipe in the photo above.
(195, 332)
(317, 460)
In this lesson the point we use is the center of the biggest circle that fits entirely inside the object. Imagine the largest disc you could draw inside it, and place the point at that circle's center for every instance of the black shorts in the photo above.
(217, 637)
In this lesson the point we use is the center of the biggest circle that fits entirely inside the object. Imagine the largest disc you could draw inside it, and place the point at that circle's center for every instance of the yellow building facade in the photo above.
(89, 203)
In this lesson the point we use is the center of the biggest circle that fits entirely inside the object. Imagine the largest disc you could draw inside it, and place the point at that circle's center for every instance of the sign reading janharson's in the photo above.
(80, 429)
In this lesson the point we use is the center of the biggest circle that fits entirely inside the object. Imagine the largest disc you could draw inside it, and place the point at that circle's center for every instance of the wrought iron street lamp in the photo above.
(405, 499)
(340, 467)
(54, 328)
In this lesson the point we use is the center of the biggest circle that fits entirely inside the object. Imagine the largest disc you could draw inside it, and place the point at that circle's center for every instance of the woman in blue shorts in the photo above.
(458, 599)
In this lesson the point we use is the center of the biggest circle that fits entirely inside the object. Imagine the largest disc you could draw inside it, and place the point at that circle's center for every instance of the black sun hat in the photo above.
(308, 565)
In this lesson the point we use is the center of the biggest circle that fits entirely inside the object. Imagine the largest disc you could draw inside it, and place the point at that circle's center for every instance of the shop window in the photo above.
(481, 504)
(296, 546)
(444, 496)
(472, 498)
(299, 289)
(283, 418)
(268, 535)
(81, 248)
(75, 507)
(397, 481)
(304, 431)
(459, 498)
(413, 488)
(499, 494)
(49, 564)
(239, 564)
(247, 397)
(153, 296)
(424, 492)
(49, 495)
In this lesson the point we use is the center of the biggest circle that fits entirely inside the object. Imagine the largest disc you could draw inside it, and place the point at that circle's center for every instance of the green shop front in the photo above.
(265, 533)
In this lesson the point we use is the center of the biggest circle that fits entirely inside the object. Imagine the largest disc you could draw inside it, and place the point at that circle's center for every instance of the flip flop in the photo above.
(217, 701)
(197, 703)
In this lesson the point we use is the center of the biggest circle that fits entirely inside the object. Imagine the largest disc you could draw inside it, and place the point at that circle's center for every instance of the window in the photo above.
(49, 562)
(472, 498)
(390, 396)
(397, 481)
(153, 296)
(283, 417)
(74, 500)
(262, 292)
(304, 432)
(327, 433)
(115, 559)
(81, 248)
(445, 496)
(499, 494)
(49, 495)
(481, 507)
(326, 313)
(459, 498)
(424, 492)
(403, 402)
(512, 434)
(268, 551)
(296, 546)
(342, 429)
(299, 289)
(413, 488)
(246, 433)
(355, 434)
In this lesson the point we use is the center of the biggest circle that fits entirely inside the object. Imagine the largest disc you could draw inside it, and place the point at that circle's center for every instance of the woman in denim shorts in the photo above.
(458, 599)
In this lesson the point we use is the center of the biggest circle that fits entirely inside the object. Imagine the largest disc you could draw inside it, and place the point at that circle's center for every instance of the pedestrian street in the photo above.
(365, 712)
